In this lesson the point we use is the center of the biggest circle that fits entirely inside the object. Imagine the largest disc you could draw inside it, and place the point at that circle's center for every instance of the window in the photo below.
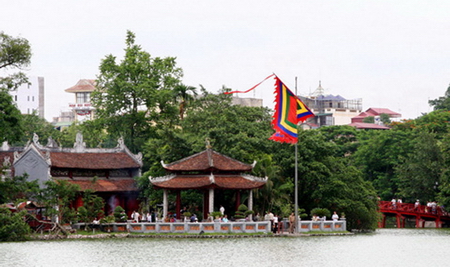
(28, 98)
(83, 98)
(32, 98)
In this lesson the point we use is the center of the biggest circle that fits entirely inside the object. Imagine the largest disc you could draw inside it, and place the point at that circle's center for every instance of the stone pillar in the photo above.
(178, 205)
(250, 203)
(211, 200)
(165, 204)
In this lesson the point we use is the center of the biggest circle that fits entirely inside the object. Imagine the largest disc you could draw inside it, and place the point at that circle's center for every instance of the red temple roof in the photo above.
(111, 160)
(105, 185)
(224, 181)
(208, 160)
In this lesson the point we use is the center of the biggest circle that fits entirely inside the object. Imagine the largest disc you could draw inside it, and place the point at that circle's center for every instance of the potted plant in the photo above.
(240, 213)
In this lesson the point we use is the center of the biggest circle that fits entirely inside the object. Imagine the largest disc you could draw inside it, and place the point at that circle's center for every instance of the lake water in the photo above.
(385, 247)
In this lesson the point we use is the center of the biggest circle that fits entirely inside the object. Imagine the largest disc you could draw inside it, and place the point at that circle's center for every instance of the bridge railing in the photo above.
(411, 207)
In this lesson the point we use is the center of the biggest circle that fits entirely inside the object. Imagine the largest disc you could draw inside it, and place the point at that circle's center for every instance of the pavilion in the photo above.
(207, 171)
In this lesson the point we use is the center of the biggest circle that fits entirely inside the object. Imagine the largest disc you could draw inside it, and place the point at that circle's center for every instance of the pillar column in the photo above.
(178, 205)
(238, 199)
(165, 204)
(398, 217)
(250, 203)
(211, 200)
(418, 219)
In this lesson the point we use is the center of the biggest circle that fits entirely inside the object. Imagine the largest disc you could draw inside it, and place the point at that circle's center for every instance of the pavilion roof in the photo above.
(207, 160)
(223, 181)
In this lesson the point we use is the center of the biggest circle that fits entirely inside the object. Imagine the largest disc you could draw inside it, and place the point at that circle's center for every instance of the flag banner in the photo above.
(289, 111)
(243, 92)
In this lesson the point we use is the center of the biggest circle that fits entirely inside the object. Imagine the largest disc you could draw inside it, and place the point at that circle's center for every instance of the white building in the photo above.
(30, 97)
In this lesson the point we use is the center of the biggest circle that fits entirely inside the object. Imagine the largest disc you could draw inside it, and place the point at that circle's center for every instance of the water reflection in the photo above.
(386, 247)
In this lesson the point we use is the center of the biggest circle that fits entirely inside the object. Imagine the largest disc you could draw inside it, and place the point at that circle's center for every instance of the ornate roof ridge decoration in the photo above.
(5, 146)
(79, 145)
(254, 178)
(36, 141)
(6, 161)
(51, 143)
(210, 159)
(212, 179)
(162, 178)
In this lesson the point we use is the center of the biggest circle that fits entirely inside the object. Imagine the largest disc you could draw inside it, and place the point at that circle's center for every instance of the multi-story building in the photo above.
(30, 97)
(331, 110)
(82, 108)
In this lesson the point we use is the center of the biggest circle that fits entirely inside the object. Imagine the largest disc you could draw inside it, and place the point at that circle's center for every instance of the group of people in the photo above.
(396, 202)
(431, 206)
(136, 217)
(334, 217)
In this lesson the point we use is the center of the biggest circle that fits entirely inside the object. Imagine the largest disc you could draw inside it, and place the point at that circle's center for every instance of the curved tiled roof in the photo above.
(106, 185)
(117, 160)
(208, 160)
(83, 85)
(224, 181)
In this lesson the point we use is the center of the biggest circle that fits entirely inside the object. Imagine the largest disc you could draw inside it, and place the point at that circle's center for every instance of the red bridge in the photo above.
(408, 211)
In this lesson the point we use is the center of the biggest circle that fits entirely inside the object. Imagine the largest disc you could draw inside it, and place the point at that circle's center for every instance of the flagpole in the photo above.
(296, 175)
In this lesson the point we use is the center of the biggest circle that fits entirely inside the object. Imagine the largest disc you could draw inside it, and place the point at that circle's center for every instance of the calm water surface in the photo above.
(386, 247)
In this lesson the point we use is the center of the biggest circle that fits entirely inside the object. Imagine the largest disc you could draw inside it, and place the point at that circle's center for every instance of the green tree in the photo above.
(12, 225)
(94, 134)
(15, 53)
(92, 207)
(11, 129)
(385, 119)
(135, 93)
(57, 196)
(378, 155)
(369, 119)
(441, 103)
(37, 125)
(420, 172)
(17, 189)
(184, 94)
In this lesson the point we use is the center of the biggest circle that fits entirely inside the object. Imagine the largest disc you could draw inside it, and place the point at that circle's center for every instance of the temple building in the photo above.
(109, 172)
(207, 171)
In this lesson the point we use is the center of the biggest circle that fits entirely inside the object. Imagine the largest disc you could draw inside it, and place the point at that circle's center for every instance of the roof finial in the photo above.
(208, 144)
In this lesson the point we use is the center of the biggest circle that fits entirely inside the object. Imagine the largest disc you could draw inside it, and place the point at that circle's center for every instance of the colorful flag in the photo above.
(289, 111)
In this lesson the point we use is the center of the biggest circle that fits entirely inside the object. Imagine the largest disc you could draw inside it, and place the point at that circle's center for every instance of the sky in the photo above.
(391, 54)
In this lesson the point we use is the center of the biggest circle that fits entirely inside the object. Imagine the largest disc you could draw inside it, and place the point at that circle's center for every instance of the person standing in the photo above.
(291, 223)
(335, 217)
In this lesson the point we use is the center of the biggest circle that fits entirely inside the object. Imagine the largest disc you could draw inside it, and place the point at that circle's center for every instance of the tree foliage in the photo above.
(11, 126)
(15, 53)
(441, 103)
(135, 93)
(12, 225)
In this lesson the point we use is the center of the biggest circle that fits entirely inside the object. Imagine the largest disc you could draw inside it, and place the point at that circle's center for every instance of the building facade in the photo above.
(331, 110)
(30, 97)
(82, 108)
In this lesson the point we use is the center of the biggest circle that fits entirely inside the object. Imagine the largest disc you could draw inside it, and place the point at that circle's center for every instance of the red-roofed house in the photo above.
(207, 171)
(374, 112)
(109, 172)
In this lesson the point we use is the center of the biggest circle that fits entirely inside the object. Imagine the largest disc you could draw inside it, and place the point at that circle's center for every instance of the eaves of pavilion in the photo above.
(207, 171)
